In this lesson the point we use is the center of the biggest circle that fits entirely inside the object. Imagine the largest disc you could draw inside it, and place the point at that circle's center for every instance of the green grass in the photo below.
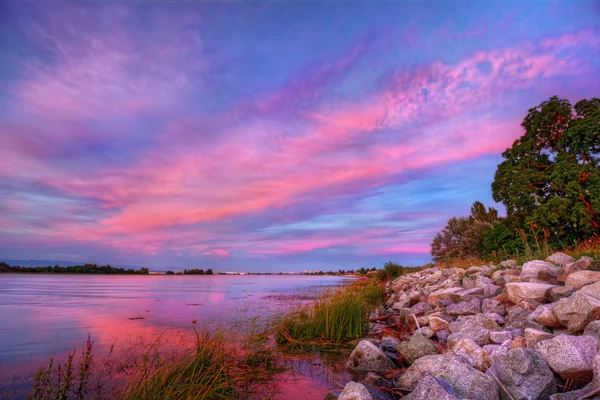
(335, 317)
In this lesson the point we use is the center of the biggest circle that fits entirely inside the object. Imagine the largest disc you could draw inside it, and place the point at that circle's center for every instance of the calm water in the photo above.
(46, 315)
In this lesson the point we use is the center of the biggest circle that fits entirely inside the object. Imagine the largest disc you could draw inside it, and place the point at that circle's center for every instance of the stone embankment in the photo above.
(487, 332)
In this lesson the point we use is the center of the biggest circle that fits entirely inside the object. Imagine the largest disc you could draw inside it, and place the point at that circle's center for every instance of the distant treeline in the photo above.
(75, 269)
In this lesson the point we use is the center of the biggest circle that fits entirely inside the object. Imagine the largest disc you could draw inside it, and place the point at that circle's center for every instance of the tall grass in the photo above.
(200, 373)
(335, 317)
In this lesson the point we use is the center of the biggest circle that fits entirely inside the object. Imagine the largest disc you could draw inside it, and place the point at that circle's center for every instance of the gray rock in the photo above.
(517, 316)
(444, 294)
(560, 259)
(533, 337)
(420, 308)
(360, 391)
(593, 329)
(372, 379)
(524, 374)
(508, 263)
(416, 347)
(574, 394)
(519, 291)
(491, 290)
(539, 270)
(366, 357)
(584, 262)
(471, 307)
(466, 381)
(570, 357)
(493, 306)
(577, 311)
(545, 316)
(596, 371)
(560, 292)
(476, 327)
(474, 355)
(499, 319)
(591, 290)
(579, 279)
(500, 337)
(430, 388)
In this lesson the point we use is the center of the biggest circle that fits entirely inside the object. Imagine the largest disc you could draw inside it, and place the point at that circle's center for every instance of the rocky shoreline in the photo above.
(486, 332)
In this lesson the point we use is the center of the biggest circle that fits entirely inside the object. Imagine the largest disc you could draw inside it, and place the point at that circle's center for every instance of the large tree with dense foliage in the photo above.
(550, 176)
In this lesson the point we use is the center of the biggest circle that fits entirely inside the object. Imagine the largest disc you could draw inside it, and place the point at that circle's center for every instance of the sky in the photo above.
(267, 136)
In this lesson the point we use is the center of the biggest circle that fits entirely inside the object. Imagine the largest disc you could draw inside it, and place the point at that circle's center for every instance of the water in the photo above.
(50, 315)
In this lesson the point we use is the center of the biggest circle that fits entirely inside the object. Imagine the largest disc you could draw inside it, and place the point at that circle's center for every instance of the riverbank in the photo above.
(506, 331)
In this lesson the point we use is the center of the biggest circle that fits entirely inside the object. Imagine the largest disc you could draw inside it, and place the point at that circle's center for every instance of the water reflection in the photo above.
(50, 315)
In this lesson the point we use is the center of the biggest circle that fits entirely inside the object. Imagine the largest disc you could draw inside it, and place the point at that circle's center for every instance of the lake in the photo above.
(50, 315)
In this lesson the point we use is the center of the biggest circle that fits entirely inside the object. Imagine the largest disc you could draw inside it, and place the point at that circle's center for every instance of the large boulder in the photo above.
(533, 336)
(580, 279)
(366, 357)
(470, 307)
(472, 353)
(451, 294)
(560, 259)
(593, 329)
(539, 270)
(519, 291)
(438, 324)
(475, 327)
(416, 347)
(545, 316)
(584, 262)
(360, 391)
(524, 374)
(465, 380)
(571, 357)
(577, 311)
(493, 306)
(430, 388)
(591, 290)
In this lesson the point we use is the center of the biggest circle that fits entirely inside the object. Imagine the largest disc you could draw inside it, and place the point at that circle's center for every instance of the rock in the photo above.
(420, 308)
(471, 307)
(560, 259)
(360, 391)
(571, 357)
(372, 379)
(500, 337)
(596, 371)
(524, 374)
(517, 315)
(533, 336)
(442, 337)
(466, 381)
(529, 304)
(427, 331)
(591, 290)
(333, 395)
(476, 327)
(579, 279)
(577, 311)
(430, 388)
(545, 316)
(508, 264)
(416, 347)
(491, 290)
(366, 357)
(518, 342)
(389, 343)
(474, 355)
(539, 270)
(494, 349)
(493, 306)
(444, 294)
(499, 319)
(593, 329)
(437, 324)
(401, 304)
(584, 262)
(574, 394)
(519, 291)
(560, 292)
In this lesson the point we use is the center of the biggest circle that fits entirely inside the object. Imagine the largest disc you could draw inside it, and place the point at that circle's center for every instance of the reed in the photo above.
(335, 317)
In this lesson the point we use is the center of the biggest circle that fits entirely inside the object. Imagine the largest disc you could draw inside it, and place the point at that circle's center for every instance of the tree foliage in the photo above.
(462, 237)
(550, 176)
(75, 269)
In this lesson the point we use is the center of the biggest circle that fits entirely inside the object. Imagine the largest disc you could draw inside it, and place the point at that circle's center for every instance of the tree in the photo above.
(169, 273)
(550, 176)
(208, 272)
(462, 237)
(362, 271)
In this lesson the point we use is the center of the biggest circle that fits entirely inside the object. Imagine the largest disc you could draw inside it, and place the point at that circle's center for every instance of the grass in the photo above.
(335, 317)
(216, 365)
